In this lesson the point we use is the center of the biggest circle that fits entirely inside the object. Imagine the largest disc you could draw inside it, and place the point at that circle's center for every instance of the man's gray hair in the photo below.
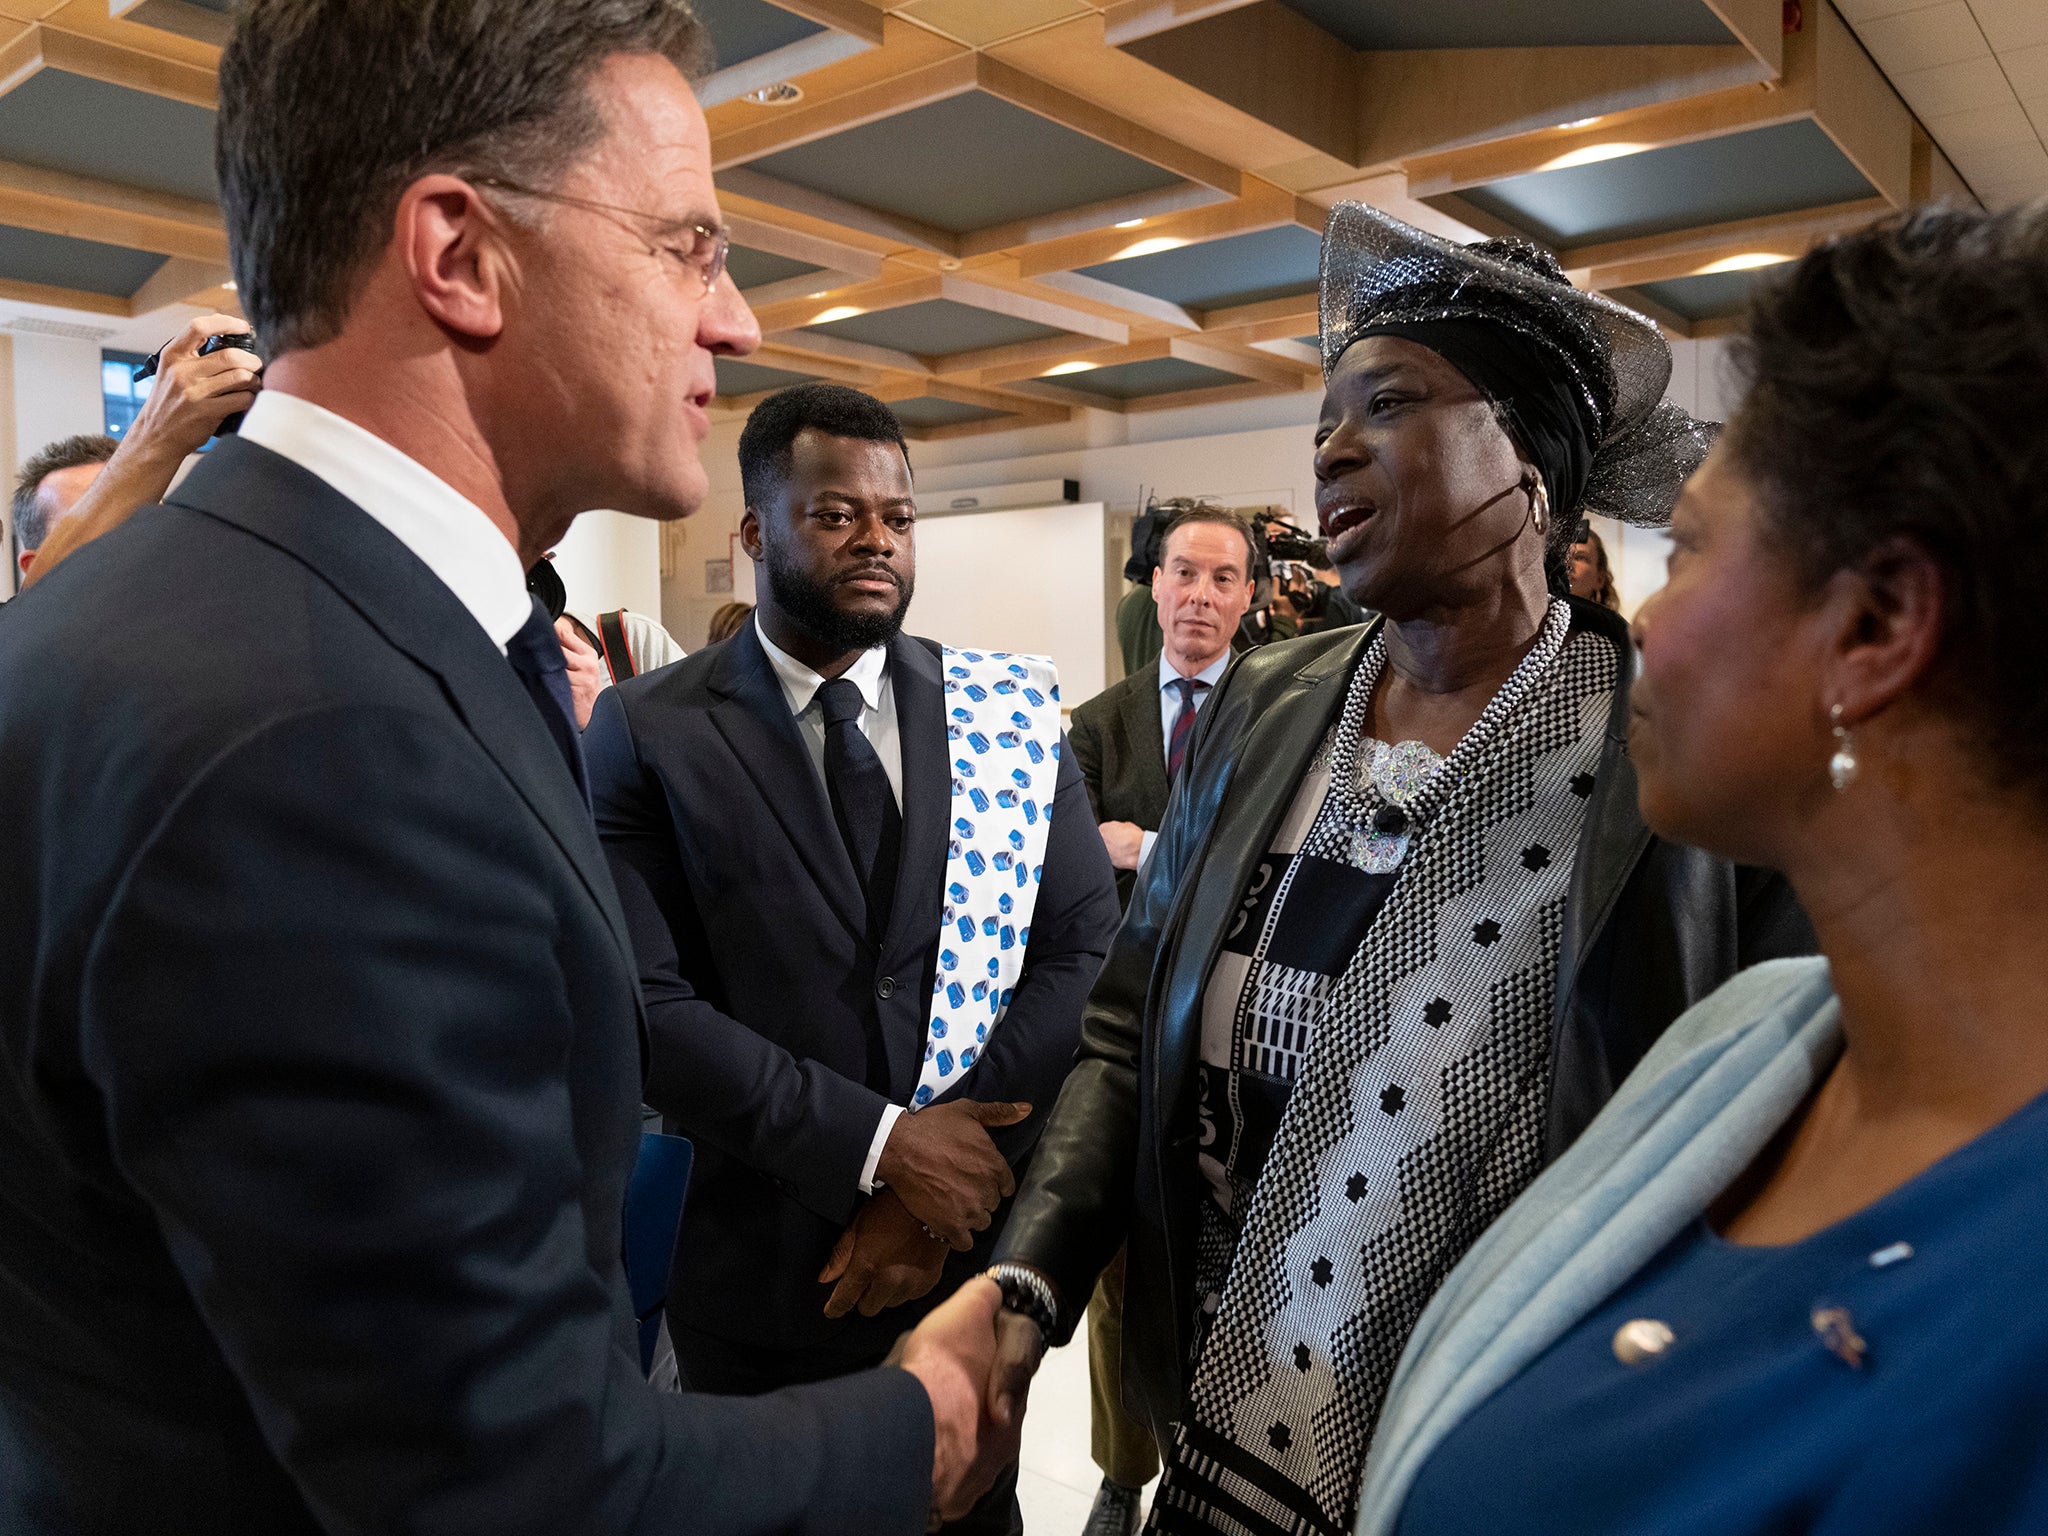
(31, 527)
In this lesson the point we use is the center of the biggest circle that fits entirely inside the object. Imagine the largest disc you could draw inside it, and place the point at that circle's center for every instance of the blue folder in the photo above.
(654, 1214)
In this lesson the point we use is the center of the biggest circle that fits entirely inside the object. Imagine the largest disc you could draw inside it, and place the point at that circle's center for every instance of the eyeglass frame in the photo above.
(719, 234)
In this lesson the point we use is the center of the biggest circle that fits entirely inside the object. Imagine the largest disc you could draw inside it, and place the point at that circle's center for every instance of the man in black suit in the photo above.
(1128, 740)
(322, 1046)
(797, 845)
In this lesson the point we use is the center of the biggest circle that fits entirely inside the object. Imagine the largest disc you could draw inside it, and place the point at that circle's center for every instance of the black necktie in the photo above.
(1183, 723)
(536, 655)
(862, 801)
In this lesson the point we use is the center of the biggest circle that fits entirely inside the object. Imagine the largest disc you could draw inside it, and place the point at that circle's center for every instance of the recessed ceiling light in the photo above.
(1076, 367)
(837, 312)
(1127, 223)
(819, 294)
(1580, 122)
(1150, 247)
(1591, 154)
(780, 94)
(229, 285)
(1744, 262)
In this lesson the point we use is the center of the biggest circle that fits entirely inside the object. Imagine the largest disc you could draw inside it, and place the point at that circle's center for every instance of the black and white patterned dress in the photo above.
(1373, 1078)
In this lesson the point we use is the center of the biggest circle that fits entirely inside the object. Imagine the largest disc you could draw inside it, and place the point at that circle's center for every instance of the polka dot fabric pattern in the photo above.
(1003, 737)
(1417, 1118)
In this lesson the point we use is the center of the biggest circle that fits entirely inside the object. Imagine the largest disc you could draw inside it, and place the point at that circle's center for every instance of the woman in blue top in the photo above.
(1795, 1277)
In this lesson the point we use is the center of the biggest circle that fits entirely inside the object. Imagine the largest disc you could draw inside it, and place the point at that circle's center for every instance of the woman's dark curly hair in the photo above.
(1898, 388)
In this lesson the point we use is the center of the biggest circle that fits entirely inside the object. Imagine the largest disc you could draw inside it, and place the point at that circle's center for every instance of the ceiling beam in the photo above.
(789, 62)
(82, 39)
(1100, 355)
(206, 284)
(1008, 83)
(1241, 361)
(833, 256)
(789, 127)
(1759, 25)
(63, 298)
(1043, 228)
(1228, 127)
(1857, 107)
(1216, 394)
(858, 17)
(1426, 101)
(887, 292)
(1692, 252)
(1127, 21)
(83, 208)
(769, 192)
(1030, 307)
(1295, 315)
(838, 349)
(1115, 302)
(1020, 359)
(789, 360)
(1266, 61)
(1261, 205)
(21, 53)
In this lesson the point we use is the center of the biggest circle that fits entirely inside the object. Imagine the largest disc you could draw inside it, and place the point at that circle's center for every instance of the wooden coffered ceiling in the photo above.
(994, 213)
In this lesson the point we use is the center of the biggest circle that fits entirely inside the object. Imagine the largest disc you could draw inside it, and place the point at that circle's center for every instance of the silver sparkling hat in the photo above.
(1378, 271)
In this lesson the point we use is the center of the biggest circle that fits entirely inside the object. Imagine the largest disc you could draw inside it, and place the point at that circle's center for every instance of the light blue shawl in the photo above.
(1704, 1102)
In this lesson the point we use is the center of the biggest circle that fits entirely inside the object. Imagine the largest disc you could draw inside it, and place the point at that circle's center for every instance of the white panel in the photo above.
(1941, 34)
(1024, 580)
(610, 560)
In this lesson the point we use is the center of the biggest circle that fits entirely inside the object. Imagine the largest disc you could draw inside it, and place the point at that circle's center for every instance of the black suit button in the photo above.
(886, 988)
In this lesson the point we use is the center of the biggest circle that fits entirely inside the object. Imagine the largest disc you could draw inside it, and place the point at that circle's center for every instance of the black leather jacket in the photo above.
(1650, 928)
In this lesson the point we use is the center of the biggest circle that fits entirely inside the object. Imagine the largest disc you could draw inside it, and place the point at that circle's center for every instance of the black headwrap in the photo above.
(1547, 415)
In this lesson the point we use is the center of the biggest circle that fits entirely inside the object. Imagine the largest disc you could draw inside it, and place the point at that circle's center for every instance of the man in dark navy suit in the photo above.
(799, 846)
(320, 1048)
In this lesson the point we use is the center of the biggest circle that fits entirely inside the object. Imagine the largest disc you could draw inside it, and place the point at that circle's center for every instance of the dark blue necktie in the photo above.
(536, 655)
(862, 801)
(1183, 723)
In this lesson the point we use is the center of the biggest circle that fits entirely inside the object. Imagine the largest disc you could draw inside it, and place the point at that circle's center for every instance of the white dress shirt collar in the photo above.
(800, 684)
(450, 534)
(1210, 674)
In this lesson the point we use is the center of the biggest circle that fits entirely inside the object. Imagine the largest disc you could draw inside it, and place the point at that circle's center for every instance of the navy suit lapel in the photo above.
(753, 716)
(294, 510)
(927, 812)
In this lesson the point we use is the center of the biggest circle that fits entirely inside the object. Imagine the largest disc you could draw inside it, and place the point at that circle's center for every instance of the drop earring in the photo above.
(1539, 503)
(1842, 767)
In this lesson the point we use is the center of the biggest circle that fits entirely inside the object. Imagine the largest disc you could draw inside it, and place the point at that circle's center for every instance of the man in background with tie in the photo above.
(868, 903)
(1129, 740)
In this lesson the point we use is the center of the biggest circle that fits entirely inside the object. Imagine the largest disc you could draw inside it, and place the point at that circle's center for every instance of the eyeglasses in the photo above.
(704, 254)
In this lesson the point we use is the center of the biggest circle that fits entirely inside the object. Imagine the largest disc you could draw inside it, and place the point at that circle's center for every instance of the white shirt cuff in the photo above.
(867, 1169)
(1145, 845)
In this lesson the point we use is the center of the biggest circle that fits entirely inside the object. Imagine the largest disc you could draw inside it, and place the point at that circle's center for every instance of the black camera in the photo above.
(245, 340)
(1283, 540)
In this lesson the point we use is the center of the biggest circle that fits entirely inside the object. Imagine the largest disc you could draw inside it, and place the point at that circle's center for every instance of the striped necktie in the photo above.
(1190, 688)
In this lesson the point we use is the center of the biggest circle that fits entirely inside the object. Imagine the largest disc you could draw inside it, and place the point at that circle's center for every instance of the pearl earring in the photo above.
(1842, 767)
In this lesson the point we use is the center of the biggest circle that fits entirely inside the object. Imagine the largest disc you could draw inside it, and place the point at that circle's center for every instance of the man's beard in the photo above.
(808, 604)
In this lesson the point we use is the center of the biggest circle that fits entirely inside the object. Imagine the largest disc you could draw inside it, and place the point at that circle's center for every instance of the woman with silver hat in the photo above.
(1404, 930)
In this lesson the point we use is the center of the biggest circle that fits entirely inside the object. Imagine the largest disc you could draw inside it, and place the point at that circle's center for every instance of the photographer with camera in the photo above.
(1306, 598)
(200, 390)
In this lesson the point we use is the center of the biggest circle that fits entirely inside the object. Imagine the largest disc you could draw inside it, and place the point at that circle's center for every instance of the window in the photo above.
(124, 396)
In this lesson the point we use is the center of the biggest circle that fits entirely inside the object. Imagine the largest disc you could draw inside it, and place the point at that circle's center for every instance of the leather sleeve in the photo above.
(798, 1122)
(1770, 923)
(1031, 1052)
(326, 1017)
(1072, 1212)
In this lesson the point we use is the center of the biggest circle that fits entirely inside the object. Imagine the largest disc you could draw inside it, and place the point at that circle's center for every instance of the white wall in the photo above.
(1246, 453)
(49, 388)
(610, 560)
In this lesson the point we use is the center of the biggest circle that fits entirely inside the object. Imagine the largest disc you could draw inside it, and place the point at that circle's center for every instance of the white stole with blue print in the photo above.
(1003, 732)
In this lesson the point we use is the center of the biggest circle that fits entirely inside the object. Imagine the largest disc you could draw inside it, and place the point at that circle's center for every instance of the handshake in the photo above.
(942, 1180)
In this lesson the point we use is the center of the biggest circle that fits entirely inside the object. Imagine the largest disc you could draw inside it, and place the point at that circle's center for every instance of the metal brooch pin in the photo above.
(1837, 1331)
(1641, 1340)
